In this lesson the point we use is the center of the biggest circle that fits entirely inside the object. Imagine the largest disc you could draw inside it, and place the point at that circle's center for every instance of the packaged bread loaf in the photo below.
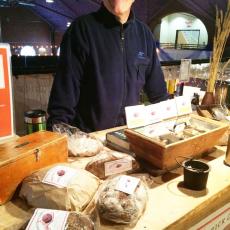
(80, 144)
(59, 187)
(122, 200)
(61, 220)
(84, 145)
(109, 162)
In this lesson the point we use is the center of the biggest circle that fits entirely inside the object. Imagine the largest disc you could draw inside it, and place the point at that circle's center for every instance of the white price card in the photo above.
(168, 109)
(153, 130)
(2, 81)
(127, 184)
(184, 105)
(135, 116)
(189, 91)
(118, 166)
(44, 219)
(185, 67)
(59, 176)
(153, 113)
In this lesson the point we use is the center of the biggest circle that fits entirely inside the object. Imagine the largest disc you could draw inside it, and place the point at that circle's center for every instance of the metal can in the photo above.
(35, 120)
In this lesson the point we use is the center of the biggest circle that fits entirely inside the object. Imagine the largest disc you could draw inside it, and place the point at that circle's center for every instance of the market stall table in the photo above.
(170, 205)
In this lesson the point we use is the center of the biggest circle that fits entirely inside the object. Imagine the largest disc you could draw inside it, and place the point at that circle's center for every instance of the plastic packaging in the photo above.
(80, 144)
(109, 162)
(120, 207)
(53, 219)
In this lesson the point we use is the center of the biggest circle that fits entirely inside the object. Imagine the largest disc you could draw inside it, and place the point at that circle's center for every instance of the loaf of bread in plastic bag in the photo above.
(109, 162)
(120, 207)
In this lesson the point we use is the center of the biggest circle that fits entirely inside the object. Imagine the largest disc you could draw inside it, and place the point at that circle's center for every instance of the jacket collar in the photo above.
(109, 20)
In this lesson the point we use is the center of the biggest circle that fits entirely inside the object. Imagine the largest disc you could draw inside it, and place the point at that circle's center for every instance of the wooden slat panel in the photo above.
(30, 92)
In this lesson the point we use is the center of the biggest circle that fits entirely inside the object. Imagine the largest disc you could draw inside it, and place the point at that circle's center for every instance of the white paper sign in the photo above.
(185, 67)
(127, 184)
(154, 130)
(118, 166)
(48, 219)
(168, 109)
(59, 176)
(153, 113)
(2, 81)
(189, 91)
(135, 116)
(183, 104)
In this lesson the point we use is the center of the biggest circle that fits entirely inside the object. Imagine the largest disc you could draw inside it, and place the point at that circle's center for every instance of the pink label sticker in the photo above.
(118, 166)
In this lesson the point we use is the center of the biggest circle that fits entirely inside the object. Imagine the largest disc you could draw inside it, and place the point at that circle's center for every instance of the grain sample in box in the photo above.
(22, 156)
(164, 142)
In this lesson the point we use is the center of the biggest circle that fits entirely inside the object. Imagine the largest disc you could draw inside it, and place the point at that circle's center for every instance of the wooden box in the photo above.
(165, 156)
(24, 155)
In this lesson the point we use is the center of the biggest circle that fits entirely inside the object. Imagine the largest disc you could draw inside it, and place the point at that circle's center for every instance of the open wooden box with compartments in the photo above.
(165, 143)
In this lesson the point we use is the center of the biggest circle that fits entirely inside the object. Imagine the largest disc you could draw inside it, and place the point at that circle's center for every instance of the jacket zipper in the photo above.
(122, 37)
(122, 41)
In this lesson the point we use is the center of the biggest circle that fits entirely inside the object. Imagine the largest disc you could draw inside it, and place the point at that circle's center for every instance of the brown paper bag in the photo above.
(13, 217)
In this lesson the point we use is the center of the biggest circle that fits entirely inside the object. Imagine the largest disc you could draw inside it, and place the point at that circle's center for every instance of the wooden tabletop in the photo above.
(170, 205)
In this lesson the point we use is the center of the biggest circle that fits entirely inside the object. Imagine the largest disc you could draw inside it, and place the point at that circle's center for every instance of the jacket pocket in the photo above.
(141, 67)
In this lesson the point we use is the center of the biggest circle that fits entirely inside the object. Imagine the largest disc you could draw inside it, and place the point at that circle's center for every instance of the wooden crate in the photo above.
(24, 155)
(164, 156)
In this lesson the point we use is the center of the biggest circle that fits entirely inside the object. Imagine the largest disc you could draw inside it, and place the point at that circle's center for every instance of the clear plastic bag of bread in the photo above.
(60, 186)
(122, 208)
(109, 162)
(80, 144)
(57, 219)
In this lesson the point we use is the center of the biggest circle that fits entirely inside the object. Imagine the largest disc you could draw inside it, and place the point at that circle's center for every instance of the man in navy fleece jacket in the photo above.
(106, 59)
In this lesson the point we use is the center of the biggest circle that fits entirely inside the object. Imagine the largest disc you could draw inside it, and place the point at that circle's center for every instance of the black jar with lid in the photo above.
(35, 120)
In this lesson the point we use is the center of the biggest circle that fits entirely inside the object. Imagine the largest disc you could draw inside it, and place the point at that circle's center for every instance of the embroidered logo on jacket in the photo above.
(141, 55)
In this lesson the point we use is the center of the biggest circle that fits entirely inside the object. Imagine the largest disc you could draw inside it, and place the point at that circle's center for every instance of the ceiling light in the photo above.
(27, 51)
(49, 1)
(42, 50)
(68, 24)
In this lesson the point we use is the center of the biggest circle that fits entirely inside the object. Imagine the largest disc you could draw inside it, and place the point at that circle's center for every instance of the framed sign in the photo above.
(6, 103)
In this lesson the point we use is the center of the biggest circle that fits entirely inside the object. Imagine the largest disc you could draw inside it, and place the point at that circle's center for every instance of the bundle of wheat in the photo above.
(220, 39)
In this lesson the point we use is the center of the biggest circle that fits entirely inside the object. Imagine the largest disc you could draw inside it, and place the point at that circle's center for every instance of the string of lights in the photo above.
(34, 50)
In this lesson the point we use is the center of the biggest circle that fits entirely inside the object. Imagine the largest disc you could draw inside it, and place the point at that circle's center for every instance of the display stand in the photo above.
(7, 129)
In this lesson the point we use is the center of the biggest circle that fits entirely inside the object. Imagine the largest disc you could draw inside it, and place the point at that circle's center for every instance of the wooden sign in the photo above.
(218, 220)
(6, 104)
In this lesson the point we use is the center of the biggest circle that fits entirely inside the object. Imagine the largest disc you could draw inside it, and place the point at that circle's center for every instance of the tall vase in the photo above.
(208, 99)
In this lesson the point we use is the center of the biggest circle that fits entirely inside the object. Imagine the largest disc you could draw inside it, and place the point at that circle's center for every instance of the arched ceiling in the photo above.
(60, 12)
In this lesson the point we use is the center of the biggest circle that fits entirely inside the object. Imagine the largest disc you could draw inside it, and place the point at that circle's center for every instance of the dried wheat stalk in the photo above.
(220, 39)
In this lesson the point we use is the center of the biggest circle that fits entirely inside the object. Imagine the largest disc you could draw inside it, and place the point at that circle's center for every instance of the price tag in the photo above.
(118, 166)
(154, 130)
(168, 109)
(44, 219)
(127, 184)
(179, 127)
(153, 113)
(59, 176)
(185, 67)
(135, 116)
(183, 104)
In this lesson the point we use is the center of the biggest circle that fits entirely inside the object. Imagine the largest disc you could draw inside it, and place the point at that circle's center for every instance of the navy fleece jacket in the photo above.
(103, 66)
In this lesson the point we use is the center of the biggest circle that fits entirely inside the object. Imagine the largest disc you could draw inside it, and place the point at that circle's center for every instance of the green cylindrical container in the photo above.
(35, 120)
